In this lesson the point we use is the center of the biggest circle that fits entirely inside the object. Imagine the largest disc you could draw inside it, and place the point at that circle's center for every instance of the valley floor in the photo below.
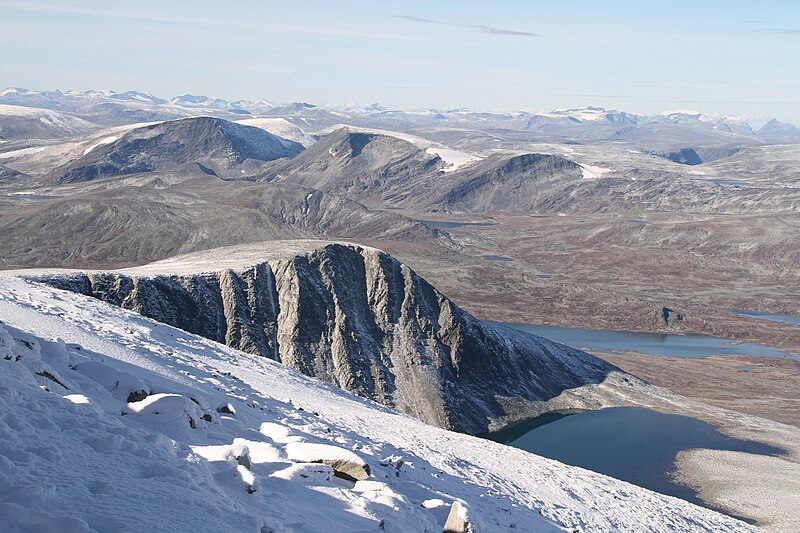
(759, 386)
(617, 271)
(596, 272)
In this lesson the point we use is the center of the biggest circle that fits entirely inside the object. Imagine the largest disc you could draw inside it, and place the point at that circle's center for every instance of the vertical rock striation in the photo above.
(359, 319)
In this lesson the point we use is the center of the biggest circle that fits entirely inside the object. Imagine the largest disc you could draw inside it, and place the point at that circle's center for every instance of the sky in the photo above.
(738, 58)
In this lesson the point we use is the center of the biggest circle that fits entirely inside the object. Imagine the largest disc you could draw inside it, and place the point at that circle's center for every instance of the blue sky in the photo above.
(732, 57)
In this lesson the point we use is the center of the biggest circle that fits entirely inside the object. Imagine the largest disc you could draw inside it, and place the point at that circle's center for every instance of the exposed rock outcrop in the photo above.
(346, 464)
(359, 319)
(672, 319)
(458, 521)
(506, 183)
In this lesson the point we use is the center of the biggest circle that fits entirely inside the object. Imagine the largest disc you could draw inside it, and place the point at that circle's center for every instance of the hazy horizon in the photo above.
(714, 57)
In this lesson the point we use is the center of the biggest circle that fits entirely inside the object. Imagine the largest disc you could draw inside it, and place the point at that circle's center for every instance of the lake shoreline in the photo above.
(678, 345)
(634, 444)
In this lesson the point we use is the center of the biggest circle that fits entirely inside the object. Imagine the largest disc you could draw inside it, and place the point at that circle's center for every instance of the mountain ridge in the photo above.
(212, 143)
(543, 121)
(357, 318)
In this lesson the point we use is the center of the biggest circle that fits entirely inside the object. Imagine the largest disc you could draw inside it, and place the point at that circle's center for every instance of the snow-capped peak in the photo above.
(187, 98)
(375, 107)
(138, 96)
(681, 112)
(95, 93)
(13, 90)
(582, 114)
(731, 124)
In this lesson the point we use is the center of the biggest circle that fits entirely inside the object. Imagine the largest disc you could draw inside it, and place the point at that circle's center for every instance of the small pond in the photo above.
(784, 319)
(443, 224)
(722, 181)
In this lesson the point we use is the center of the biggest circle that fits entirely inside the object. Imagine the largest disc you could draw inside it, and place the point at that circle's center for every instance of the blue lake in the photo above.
(629, 443)
(607, 341)
(443, 224)
(784, 319)
(735, 183)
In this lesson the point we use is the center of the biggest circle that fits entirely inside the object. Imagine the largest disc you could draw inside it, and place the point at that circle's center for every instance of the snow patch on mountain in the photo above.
(282, 128)
(44, 115)
(101, 142)
(581, 113)
(12, 90)
(455, 159)
(592, 172)
(20, 122)
(22, 151)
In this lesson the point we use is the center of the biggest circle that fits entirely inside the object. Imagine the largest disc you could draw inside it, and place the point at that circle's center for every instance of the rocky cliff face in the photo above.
(357, 318)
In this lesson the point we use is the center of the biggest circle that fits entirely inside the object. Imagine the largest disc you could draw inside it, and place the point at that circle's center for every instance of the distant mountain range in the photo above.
(582, 124)
(92, 178)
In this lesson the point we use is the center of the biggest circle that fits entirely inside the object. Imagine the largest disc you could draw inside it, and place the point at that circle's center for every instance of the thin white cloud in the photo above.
(109, 13)
(221, 22)
(502, 31)
(475, 27)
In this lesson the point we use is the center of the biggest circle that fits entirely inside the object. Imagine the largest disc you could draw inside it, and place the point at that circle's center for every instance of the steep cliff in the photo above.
(357, 318)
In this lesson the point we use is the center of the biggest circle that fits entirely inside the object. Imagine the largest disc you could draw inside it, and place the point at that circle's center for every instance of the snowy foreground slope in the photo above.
(110, 421)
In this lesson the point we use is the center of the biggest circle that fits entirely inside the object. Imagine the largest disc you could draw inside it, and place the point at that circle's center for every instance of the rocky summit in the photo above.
(357, 318)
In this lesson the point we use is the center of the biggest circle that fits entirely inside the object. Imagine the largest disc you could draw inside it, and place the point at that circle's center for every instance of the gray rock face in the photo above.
(357, 318)
(8, 174)
(213, 144)
(458, 520)
(381, 170)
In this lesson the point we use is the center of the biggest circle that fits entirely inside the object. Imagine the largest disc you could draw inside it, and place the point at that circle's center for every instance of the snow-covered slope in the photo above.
(193, 100)
(454, 159)
(17, 122)
(113, 422)
(282, 128)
